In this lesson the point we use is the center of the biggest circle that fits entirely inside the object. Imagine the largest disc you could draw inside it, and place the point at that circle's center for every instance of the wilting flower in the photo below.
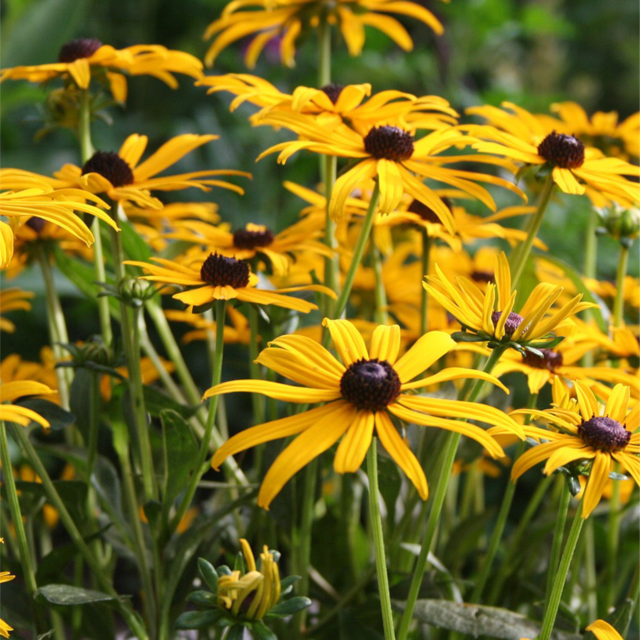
(121, 178)
(5, 576)
(11, 300)
(362, 393)
(15, 413)
(223, 278)
(490, 317)
(524, 138)
(393, 156)
(587, 433)
(84, 58)
(286, 19)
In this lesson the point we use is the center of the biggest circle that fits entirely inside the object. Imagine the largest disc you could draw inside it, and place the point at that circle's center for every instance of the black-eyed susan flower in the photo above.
(15, 413)
(123, 178)
(223, 278)
(5, 576)
(278, 250)
(13, 299)
(363, 393)
(82, 59)
(517, 134)
(489, 315)
(393, 156)
(587, 433)
(287, 19)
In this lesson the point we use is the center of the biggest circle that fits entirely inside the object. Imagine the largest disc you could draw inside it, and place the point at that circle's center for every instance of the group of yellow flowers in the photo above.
(414, 323)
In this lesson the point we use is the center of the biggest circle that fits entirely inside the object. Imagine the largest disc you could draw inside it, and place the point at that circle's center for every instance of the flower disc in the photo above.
(389, 142)
(252, 238)
(79, 48)
(604, 434)
(110, 166)
(221, 271)
(370, 384)
(561, 150)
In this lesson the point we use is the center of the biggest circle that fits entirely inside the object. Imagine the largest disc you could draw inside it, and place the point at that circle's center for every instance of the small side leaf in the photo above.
(67, 595)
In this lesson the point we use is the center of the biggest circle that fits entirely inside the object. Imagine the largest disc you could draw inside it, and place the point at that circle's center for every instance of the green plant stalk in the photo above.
(57, 327)
(618, 303)
(95, 404)
(558, 534)
(632, 594)
(306, 526)
(122, 606)
(375, 518)
(449, 454)
(553, 601)
(28, 573)
(424, 294)
(521, 254)
(220, 306)
(358, 252)
(131, 344)
(590, 268)
(381, 315)
(591, 586)
(613, 534)
(254, 350)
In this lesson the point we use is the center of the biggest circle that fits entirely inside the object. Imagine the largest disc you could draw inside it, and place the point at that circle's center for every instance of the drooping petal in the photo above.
(534, 456)
(454, 373)
(275, 390)
(355, 443)
(597, 482)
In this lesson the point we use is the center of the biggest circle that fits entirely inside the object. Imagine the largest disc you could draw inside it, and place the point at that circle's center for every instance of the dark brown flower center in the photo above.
(370, 384)
(514, 320)
(549, 359)
(37, 224)
(80, 48)
(388, 142)
(333, 91)
(110, 166)
(427, 213)
(221, 271)
(561, 150)
(604, 434)
(483, 276)
(252, 237)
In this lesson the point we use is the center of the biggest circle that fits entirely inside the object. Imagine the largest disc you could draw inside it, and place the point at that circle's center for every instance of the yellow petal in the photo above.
(385, 343)
(347, 340)
(355, 443)
(427, 350)
(598, 479)
(274, 390)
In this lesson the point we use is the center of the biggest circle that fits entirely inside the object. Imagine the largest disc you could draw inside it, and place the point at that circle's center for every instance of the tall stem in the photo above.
(209, 427)
(558, 535)
(553, 602)
(380, 315)
(521, 254)
(306, 526)
(378, 541)
(618, 303)
(358, 252)
(449, 456)
(28, 572)
(123, 606)
(424, 294)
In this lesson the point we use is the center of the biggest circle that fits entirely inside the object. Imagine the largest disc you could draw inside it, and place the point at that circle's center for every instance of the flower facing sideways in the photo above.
(363, 393)
(5, 576)
(23, 416)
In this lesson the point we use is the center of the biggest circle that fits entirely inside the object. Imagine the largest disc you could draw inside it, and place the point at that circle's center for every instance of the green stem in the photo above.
(558, 535)
(378, 541)
(39, 616)
(424, 294)
(613, 534)
(358, 252)
(618, 303)
(449, 456)
(332, 266)
(57, 327)
(553, 602)
(131, 343)
(591, 586)
(209, 427)
(254, 350)
(521, 255)
(324, 53)
(380, 315)
(306, 525)
(632, 594)
(123, 606)
(84, 127)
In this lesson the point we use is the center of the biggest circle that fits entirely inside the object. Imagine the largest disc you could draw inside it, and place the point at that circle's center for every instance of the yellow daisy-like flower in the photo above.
(602, 130)
(223, 278)
(361, 393)
(394, 157)
(279, 250)
(122, 177)
(14, 413)
(336, 103)
(84, 58)
(587, 432)
(520, 136)
(490, 315)
(287, 19)
(11, 300)
(13, 368)
(258, 589)
(5, 576)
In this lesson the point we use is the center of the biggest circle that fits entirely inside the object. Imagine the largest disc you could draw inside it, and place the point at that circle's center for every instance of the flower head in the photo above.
(5, 576)
(15, 413)
(12, 300)
(363, 393)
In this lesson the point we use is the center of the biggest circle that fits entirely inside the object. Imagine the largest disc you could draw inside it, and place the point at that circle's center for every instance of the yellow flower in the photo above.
(10, 300)
(392, 155)
(15, 413)
(491, 317)
(288, 18)
(253, 593)
(524, 138)
(223, 278)
(361, 393)
(119, 176)
(587, 432)
(279, 250)
(239, 332)
(14, 368)
(5, 576)
(84, 58)
(604, 631)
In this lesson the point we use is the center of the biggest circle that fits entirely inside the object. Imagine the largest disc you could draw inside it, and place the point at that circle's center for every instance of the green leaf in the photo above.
(462, 336)
(289, 607)
(203, 598)
(199, 619)
(235, 633)
(80, 400)
(66, 595)
(208, 573)
(262, 632)
(156, 402)
(58, 418)
(286, 584)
